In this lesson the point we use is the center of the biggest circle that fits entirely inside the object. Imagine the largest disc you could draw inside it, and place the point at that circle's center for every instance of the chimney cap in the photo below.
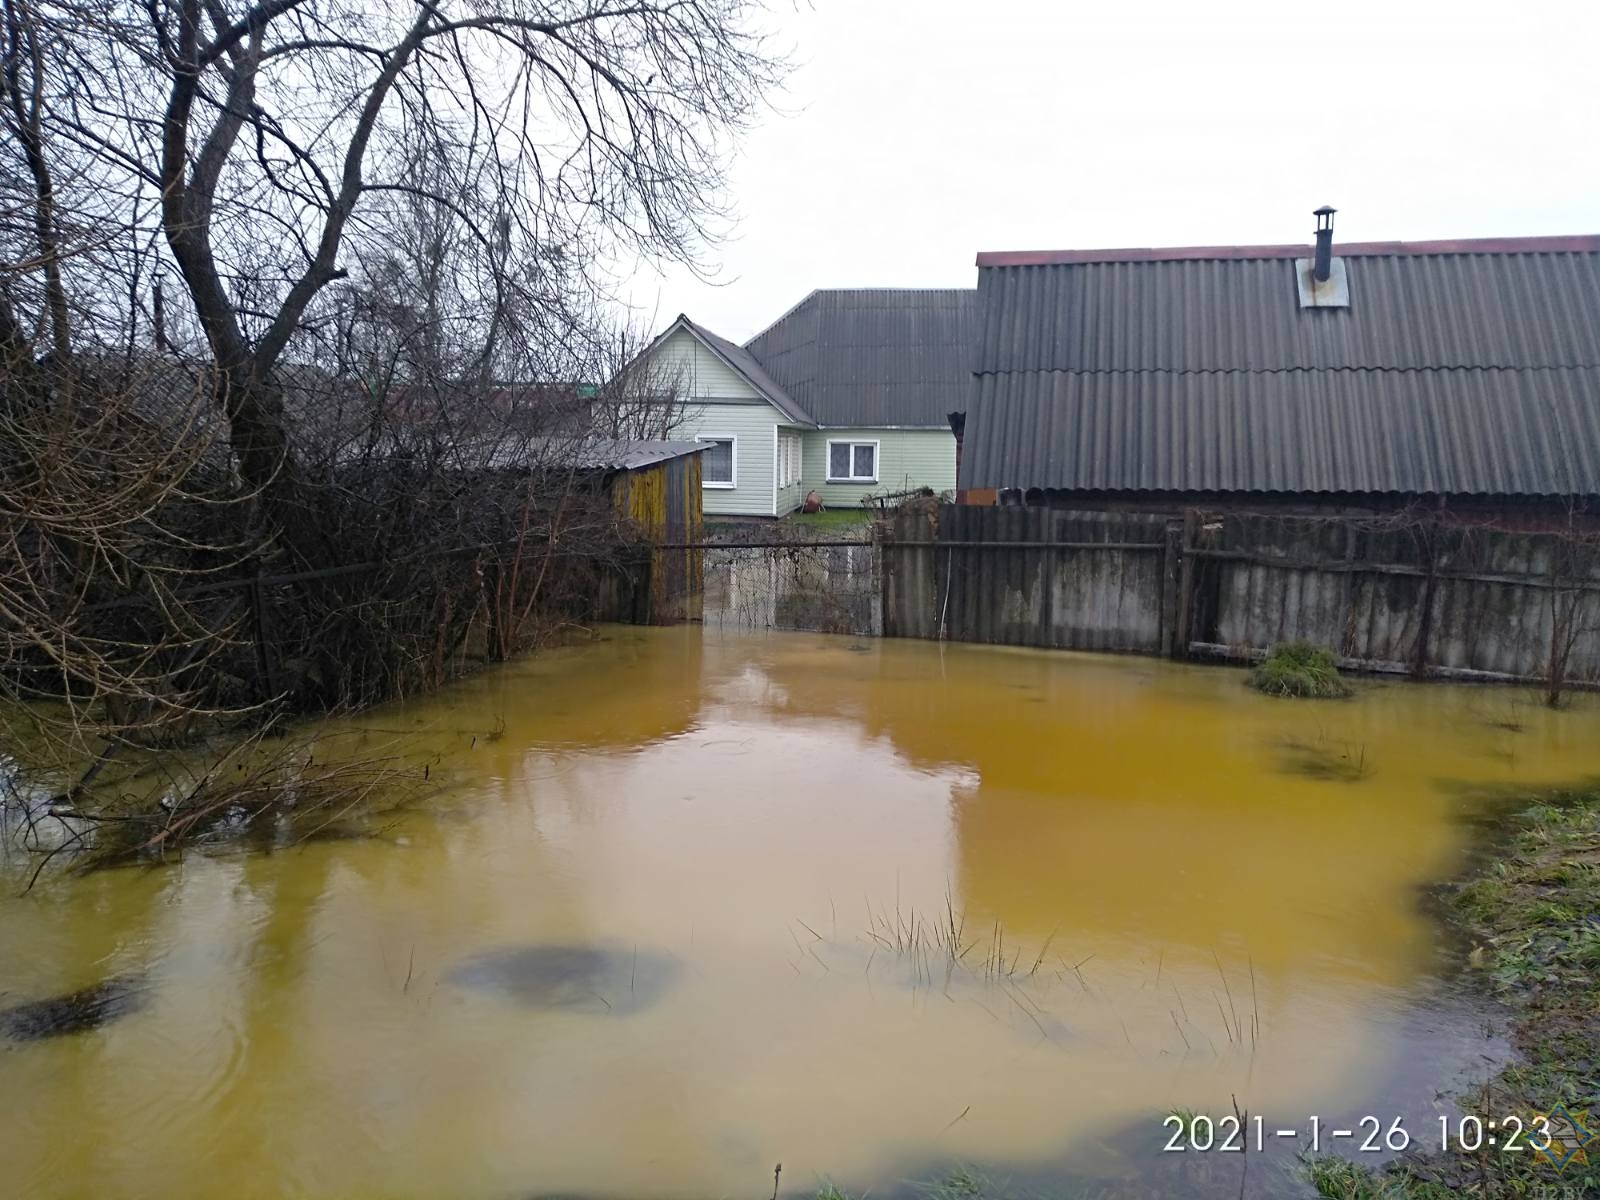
(1327, 210)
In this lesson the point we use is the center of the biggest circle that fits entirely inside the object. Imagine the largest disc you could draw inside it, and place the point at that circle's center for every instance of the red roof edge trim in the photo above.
(1586, 243)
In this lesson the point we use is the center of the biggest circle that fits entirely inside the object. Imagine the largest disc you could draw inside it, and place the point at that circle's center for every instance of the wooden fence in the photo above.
(1415, 596)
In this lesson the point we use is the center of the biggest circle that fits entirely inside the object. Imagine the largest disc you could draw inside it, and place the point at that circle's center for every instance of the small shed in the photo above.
(655, 485)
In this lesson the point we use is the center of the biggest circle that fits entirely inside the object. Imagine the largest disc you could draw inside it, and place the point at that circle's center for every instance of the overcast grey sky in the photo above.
(918, 132)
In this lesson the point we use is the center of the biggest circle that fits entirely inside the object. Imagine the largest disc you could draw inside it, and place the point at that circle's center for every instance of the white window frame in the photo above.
(877, 460)
(733, 460)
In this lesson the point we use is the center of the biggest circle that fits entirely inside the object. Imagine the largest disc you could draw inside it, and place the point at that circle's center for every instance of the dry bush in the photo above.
(259, 790)
(294, 305)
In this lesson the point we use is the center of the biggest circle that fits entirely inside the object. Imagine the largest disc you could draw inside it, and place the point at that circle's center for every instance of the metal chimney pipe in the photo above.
(1322, 267)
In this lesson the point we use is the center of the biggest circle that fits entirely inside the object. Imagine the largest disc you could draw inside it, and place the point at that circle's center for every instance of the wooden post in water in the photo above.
(1172, 564)
(1430, 584)
(1183, 626)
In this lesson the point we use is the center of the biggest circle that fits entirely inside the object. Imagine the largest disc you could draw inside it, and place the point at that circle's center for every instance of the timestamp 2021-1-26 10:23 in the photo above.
(1235, 1133)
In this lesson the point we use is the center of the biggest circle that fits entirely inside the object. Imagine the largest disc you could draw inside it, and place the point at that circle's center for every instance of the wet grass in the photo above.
(1301, 670)
(1532, 919)
(1341, 1179)
(941, 942)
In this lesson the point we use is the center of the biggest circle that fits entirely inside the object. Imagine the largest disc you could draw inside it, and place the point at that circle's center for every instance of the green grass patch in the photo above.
(1302, 670)
(832, 518)
(1341, 1179)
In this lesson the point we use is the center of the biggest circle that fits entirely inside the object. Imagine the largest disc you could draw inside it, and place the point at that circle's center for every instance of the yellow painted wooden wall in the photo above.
(663, 500)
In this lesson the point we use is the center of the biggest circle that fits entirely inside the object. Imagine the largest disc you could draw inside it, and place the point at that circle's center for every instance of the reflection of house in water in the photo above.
(829, 589)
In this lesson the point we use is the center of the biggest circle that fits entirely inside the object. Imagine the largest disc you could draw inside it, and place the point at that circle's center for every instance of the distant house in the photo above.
(1462, 376)
(849, 394)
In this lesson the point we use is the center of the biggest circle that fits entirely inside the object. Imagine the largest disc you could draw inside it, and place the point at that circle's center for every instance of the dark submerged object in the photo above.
(76, 1012)
(618, 980)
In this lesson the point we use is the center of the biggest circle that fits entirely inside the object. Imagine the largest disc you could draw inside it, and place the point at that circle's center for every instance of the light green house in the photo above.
(849, 395)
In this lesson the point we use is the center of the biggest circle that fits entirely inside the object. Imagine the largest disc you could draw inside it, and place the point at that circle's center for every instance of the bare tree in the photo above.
(296, 297)
(642, 395)
(272, 145)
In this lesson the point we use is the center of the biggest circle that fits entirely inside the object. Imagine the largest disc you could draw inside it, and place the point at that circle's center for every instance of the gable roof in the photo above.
(875, 356)
(739, 360)
(1466, 368)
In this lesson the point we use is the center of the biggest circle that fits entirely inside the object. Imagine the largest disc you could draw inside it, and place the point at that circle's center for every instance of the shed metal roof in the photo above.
(629, 454)
(1467, 368)
(875, 357)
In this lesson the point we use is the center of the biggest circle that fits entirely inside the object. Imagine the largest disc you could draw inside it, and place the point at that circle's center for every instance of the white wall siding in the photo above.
(751, 426)
(699, 373)
(720, 403)
(907, 458)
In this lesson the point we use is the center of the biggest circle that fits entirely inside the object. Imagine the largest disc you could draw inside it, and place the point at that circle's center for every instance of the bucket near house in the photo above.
(813, 502)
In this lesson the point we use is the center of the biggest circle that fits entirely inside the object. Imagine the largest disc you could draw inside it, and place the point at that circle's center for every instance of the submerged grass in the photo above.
(1534, 916)
(941, 943)
(1323, 759)
(1302, 670)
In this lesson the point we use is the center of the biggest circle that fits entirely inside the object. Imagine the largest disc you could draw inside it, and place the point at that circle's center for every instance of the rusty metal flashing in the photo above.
(1587, 243)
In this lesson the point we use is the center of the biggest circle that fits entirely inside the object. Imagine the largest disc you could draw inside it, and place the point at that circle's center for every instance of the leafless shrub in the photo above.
(295, 305)
(261, 790)
(115, 526)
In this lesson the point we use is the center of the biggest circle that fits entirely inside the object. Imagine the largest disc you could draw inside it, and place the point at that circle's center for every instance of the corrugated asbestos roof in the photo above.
(875, 357)
(629, 454)
(1473, 369)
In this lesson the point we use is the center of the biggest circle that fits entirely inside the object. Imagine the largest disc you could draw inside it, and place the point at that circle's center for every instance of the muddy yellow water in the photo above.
(682, 909)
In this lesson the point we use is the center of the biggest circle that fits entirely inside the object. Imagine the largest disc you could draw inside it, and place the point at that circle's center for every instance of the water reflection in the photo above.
(920, 904)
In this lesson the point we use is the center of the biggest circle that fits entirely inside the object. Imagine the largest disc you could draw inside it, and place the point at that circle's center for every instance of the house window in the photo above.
(852, 462)
(717, 462)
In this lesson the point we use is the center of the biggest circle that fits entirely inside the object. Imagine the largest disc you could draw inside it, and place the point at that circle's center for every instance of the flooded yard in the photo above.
(691, 904)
